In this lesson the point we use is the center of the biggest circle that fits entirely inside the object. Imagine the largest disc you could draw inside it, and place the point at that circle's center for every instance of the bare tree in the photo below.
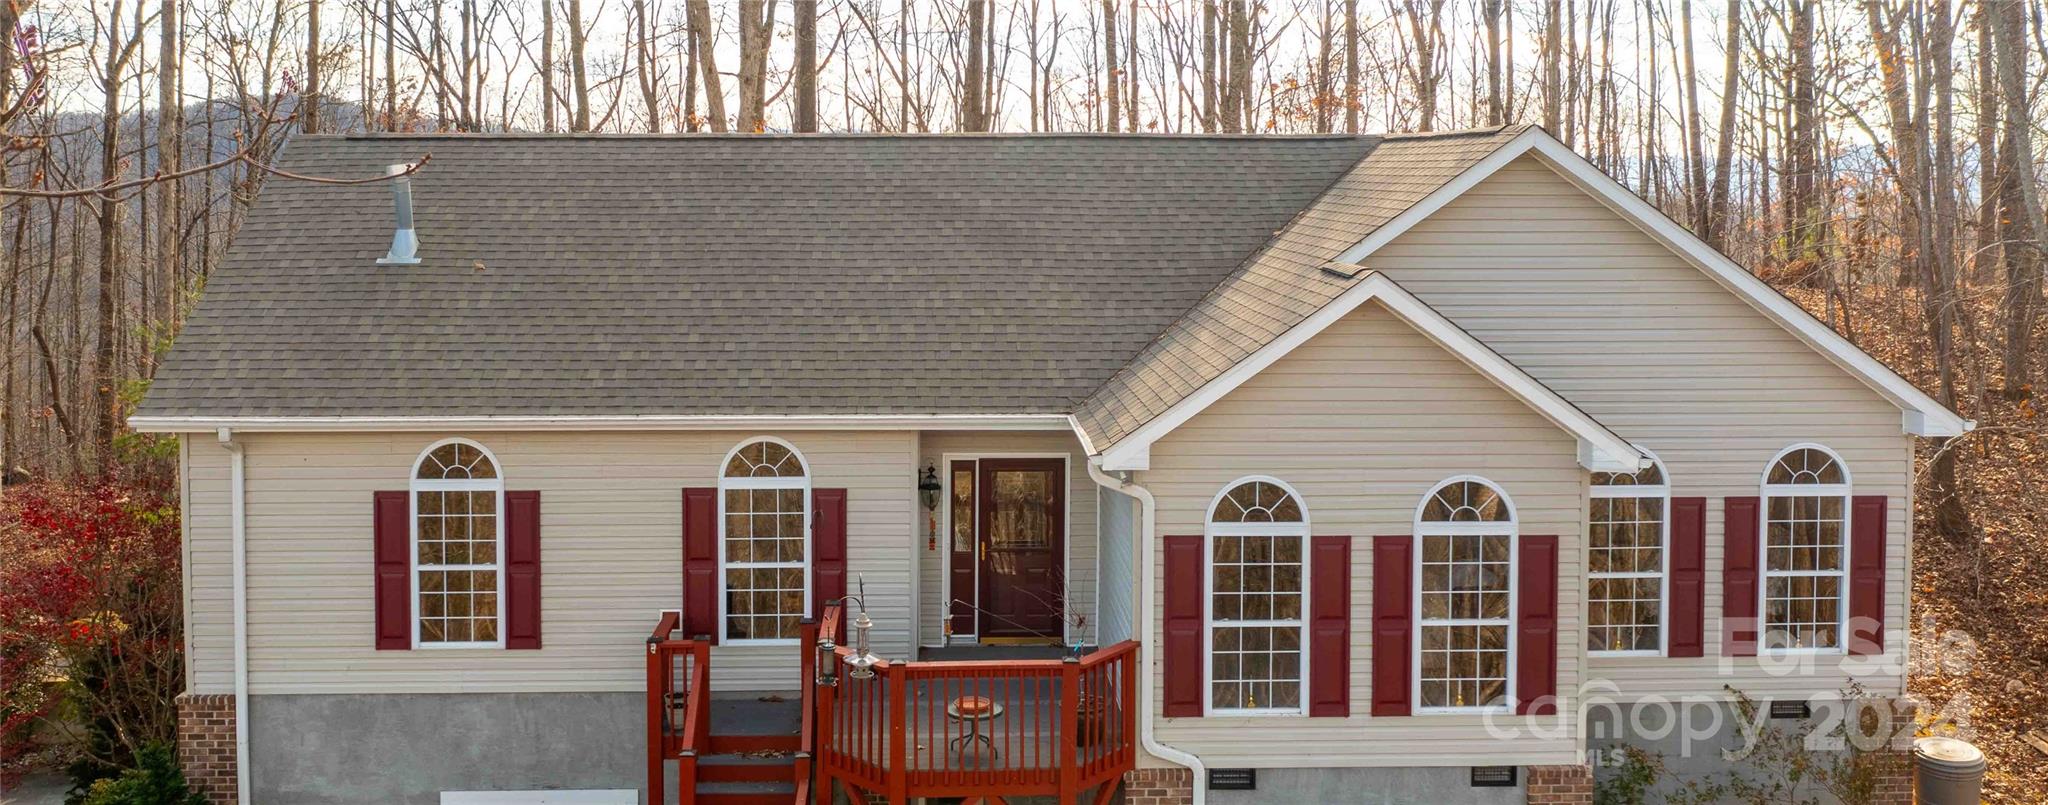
(2019, 208)
(705, 40)
(757, 24)
(579, 66)
(805, 116)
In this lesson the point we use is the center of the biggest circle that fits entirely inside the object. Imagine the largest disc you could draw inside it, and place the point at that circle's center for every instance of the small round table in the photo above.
(973, 712)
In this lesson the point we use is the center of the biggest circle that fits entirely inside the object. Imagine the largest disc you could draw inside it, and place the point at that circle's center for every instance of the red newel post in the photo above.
(656, 695)
(899, 771)
(1070, 719)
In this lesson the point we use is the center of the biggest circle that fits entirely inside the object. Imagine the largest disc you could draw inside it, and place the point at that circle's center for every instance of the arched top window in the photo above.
(453, 460)
(1805, 547)
(765, 458)
(1806, 465)
(1257, 558)
(764, 540)
(1467, 500)
(1257, 501)
(458, 538)
(1464, 563)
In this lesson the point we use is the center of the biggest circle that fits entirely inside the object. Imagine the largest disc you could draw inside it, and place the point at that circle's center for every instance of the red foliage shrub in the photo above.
(90, 597)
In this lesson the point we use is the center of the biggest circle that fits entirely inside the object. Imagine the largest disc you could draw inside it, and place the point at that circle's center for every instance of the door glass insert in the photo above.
(1020, 517)
(963, 506)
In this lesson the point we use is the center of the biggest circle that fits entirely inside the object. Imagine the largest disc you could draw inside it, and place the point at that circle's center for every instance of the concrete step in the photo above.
(751, 768)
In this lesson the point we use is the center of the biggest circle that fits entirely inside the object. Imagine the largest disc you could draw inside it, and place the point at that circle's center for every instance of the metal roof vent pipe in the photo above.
(405, 242)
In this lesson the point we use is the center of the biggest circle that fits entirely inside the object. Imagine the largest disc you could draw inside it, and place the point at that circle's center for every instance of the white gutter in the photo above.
(1145, 618)
(237, 526)
(192, 424)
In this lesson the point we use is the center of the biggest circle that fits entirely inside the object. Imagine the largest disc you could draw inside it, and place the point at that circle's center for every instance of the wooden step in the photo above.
(746, 793)
(751, 768)
(752, 744)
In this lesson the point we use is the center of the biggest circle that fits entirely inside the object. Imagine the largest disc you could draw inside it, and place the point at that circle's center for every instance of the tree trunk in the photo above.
(1695, 149)
(1938, 286)
(309, 100)
(1988, 253)
(2018, 210)
(579, 77)
(1238, 95)
(1496, 114)
(170, 131)
(1352, 100)
(1715, 229)
(643, 66)
(1210, 48)
(757, 22)
(1553, 83)
(1112, 109)
(390, 69)
(805, 115)
(547, 65)
(706, 42)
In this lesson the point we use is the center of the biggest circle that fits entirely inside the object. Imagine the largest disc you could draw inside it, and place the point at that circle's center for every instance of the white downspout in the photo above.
(237, 526)
(1146, 621)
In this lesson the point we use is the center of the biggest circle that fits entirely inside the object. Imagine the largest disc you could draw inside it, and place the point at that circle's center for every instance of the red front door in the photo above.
(1022, 506)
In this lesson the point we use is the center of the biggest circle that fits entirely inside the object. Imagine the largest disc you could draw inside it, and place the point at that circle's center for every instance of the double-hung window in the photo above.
(765, 499)
(1629, 531)
(1466, 529)
(458, 537)
(1806, 550)
(1258, 538)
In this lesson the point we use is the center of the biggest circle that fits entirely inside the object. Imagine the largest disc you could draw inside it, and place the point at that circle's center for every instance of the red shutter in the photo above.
(1329, 670)
(828, 548)
(700, 563)
(392, 546)
(1739, 556)
(1688, 593)
(1181, 658)
(1536, 626)
(522, 570)
(1393, 580)
(1866, 574)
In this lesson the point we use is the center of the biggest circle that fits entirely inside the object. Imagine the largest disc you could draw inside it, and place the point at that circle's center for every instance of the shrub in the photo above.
(155, 780)
(90, 597)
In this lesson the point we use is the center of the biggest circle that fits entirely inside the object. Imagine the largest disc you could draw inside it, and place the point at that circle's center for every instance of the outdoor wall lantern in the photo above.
(928, 487)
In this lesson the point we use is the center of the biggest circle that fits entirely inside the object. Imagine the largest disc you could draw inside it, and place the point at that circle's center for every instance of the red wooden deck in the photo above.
(1064, 727)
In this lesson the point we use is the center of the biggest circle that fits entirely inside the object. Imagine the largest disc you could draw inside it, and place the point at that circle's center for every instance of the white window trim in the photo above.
(414, 486)
(1210, 531)
(725, 483)
(1434, 529)
(1663, 575)
(1846, 491)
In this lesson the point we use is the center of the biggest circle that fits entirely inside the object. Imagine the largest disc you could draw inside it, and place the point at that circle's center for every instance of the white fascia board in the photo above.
(174, 424)
(1924, 415)
(1600, 449)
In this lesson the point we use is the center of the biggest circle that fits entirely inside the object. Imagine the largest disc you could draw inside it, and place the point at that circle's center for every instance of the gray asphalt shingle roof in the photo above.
(619, 275)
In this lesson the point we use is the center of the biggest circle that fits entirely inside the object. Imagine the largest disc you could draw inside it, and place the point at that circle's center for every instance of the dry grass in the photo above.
(1980, 600)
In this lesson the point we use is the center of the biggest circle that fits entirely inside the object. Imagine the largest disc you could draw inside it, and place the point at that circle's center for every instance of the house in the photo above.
(1407, 468)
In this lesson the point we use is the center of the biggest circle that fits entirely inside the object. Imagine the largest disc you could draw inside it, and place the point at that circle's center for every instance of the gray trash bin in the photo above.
(1947, 772)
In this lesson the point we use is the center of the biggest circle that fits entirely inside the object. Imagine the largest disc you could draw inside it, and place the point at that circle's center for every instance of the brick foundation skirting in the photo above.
(1894, 779)
(1560, 785)
(206, 744)
(1164, 786)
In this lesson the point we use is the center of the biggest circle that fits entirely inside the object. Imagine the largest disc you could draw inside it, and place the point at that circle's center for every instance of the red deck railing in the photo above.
(1056, 727)
(678, 708)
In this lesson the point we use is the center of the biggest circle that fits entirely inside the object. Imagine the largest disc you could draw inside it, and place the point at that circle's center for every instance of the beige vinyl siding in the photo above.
(1081, 545)
(611, 556)
(209, 566)
(1363, 420)
(1117, 585)
(1668, 358)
